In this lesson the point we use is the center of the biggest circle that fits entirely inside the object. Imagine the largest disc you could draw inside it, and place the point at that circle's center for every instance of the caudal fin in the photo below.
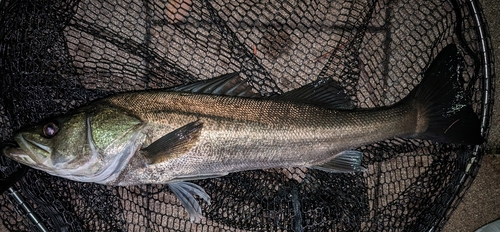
(445, 113)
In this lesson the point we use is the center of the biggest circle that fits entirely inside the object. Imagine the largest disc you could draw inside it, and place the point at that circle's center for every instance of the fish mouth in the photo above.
(19, 155)
(30, 152)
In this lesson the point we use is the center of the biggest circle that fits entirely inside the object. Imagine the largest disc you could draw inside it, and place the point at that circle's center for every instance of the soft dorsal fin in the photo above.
(228, 84)
(173, 144)
(324, 93)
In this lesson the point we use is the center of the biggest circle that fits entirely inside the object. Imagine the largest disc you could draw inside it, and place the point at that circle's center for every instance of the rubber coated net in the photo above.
(59, 55)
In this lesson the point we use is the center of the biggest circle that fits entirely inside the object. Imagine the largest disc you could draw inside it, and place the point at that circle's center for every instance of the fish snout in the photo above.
(18, 154)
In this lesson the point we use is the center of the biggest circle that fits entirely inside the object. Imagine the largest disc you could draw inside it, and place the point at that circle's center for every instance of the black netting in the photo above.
(59, 55)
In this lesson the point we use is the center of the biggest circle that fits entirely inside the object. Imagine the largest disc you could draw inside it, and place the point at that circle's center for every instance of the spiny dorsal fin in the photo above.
(324, 93)
(173, 144)
(228, 85)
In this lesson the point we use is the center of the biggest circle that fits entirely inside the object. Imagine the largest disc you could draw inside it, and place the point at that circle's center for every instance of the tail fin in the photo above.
(442, 103)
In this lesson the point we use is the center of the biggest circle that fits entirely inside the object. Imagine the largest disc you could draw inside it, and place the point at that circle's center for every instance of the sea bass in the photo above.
(215, 127)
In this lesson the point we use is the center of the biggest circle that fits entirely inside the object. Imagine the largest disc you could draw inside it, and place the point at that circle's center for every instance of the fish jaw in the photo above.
(29, 152)
(18, 154)
(29, 159)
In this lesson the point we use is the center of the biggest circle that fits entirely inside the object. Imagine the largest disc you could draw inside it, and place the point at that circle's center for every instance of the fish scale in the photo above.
(288, 130)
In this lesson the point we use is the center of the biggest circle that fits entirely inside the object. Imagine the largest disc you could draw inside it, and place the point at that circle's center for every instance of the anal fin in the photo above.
(346, 161)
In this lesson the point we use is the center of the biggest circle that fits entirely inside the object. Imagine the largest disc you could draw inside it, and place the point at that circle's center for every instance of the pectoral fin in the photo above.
(346, 161)
(173, 144)
(186, 191)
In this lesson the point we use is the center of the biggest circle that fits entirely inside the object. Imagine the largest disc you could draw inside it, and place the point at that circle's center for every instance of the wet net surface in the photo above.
(59, 55)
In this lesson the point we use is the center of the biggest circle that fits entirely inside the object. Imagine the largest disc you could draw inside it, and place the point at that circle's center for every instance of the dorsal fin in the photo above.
(324, 93)
(228, 84)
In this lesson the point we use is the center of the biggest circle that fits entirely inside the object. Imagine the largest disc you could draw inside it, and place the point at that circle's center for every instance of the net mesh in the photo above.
(59, 55)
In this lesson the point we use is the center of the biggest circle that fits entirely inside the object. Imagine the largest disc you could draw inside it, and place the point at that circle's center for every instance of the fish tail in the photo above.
(444, 111)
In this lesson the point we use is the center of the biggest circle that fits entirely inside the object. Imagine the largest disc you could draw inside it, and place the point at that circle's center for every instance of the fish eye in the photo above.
(50, 130)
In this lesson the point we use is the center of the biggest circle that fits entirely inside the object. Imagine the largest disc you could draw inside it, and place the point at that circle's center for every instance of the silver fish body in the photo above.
(240, 134)
(216, 127)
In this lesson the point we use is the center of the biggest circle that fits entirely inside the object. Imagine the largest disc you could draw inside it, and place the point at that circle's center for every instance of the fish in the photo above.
(214, 127)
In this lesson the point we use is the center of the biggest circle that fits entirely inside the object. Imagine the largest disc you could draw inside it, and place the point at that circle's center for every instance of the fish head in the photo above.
(50, 143)
(79, 145)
